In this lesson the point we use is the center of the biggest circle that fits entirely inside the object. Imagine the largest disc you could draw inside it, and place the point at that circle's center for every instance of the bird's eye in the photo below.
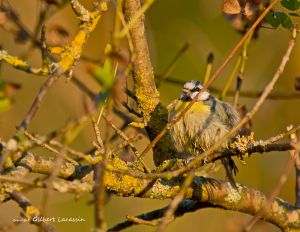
(196, 89)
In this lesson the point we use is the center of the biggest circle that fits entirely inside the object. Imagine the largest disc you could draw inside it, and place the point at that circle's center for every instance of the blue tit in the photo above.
(205, 123)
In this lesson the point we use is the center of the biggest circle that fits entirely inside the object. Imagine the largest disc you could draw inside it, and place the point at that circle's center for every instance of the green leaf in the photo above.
(275, 19)
(287, 22)
(272, 19)
(104, 75)
(5, 104)
(291, 4)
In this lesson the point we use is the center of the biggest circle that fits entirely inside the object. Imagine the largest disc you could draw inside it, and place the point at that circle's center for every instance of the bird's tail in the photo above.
(231, 169)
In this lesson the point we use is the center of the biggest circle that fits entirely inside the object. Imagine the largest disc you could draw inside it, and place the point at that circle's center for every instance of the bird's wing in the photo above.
(227, 114)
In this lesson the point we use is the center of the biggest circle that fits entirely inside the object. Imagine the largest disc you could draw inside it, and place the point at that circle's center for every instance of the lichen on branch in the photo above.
(143, 76)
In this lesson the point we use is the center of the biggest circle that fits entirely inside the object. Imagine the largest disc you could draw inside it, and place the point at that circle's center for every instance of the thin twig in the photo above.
(48, 147)
(69, 150)
(282, 180)
(240, 76)
(134, 19)
(47, 193)
(44, 48)
(282, 135)
(276, 95)
(296, 157)
(125, 143)
(151, 218)
(208, 68)
(98, 136)
(83, 87)
(128, 36)
(172, 64)
(125, 138)
(140, 221)
(231, 77)
(175, 203)
(30, 211)
(37, 102)
(99, 177)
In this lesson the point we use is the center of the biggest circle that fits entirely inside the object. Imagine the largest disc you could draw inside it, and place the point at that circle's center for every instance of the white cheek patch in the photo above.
(202, 97)
(193, 95)
(189, 85)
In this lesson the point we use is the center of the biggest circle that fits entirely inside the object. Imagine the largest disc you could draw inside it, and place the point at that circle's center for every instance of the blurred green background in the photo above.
(170, 23)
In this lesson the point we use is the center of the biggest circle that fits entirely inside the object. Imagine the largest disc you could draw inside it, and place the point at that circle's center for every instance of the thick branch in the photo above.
(219, 193)
(144, 85)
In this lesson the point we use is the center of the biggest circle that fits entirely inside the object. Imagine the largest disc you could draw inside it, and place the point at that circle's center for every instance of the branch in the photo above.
(30, 212)
(144, 85)
(72, 51)
(296, 157)
(186, 206)
(246, 93)
(217, 192)
(37, 102)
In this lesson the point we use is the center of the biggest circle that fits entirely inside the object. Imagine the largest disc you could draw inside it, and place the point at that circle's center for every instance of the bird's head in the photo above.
(190, 91)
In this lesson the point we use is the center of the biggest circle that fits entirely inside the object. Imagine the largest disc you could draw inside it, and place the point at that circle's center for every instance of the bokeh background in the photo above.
(170, 23)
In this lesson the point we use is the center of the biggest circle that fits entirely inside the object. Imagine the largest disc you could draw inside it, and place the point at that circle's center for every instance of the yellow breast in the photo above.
(198, 107)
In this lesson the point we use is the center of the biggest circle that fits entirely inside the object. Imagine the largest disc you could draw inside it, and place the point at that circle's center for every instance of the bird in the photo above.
(204, 124)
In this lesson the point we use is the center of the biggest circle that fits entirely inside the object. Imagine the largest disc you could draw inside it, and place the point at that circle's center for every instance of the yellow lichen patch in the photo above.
(20, 64)
(104, 6)
(74, 50)
(234, 195)
(122, 183)
(31, 211)
(13, 60)
(137, 124)
(94, 18)
(147, 102)
(243, 142)
(163, 189)
(68, 54)
(76, 45)
(6, 188)
(56, 50)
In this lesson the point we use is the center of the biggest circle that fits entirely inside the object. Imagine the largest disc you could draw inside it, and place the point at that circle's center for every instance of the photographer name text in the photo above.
(51, 219)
